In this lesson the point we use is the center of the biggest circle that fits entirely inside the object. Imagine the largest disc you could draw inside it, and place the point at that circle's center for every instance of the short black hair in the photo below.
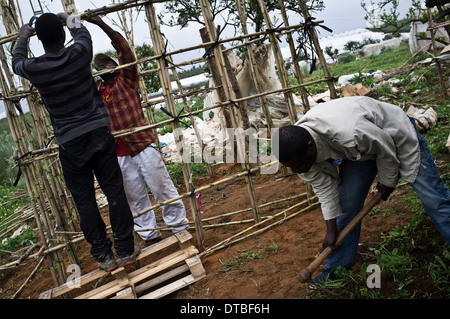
(290, 142)
(49, 29)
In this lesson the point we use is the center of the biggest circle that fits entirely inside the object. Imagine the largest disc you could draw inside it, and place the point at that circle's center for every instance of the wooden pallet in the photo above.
(153, 280)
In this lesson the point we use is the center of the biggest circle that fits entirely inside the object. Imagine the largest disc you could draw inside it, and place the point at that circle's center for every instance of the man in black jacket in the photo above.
(79, 119)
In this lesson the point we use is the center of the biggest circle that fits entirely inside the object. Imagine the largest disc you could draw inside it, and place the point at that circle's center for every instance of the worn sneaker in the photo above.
(108, 263)
(128, 260)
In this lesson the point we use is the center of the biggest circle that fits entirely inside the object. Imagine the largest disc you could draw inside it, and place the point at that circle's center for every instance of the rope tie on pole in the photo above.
(308, 27)
(17, 160)
(232, 102)
(176, 118)
(163, 55)
(142, 6)
(216, 42)
(272, 30)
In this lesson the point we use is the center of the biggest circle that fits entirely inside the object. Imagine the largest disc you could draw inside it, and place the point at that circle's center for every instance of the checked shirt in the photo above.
(123, 102)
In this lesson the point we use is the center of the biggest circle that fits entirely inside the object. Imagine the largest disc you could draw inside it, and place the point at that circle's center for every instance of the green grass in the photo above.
(414, 262)
(384, 61)
(176, 172)
(247, 256)
(410, 256)
(414, 259)
(12, 200)
(28, 237)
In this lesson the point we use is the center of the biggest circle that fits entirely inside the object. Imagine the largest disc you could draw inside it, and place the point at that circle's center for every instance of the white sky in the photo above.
(339, 15)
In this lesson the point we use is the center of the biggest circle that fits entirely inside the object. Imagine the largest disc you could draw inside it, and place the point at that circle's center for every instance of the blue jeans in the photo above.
(356, 179)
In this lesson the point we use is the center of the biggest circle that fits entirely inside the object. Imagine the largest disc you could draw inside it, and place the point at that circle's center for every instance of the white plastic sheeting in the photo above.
(416, 42)
(268, 81)
(425, 118)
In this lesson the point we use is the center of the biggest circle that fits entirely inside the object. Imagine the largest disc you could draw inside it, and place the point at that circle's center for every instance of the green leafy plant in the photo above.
(246, 256)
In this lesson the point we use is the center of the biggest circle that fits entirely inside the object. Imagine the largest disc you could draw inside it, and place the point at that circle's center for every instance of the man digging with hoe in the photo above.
(370, 137)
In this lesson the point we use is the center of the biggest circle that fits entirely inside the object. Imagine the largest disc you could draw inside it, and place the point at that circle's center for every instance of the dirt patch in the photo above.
(265, 266)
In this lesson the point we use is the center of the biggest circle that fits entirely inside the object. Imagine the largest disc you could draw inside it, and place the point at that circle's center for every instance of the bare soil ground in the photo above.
(277, 255)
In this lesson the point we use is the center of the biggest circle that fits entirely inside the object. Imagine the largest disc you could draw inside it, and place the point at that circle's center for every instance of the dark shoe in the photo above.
(107, 263)
(152, 241)
(128, 260)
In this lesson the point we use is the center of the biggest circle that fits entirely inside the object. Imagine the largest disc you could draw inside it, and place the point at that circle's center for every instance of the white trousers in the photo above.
(148, 169)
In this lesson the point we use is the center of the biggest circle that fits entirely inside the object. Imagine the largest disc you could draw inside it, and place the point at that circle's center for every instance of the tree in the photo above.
(384, 15)
(151, 80)
(184, 11)
(333, 54)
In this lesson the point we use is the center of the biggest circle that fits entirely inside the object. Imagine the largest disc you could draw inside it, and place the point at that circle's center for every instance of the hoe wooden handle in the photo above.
(306, 273)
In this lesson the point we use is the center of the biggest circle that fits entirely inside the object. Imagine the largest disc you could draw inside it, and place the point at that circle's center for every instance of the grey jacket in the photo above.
(359, 128)
(66, 85)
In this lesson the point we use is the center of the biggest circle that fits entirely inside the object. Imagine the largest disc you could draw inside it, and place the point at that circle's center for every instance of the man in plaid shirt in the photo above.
(139, 159)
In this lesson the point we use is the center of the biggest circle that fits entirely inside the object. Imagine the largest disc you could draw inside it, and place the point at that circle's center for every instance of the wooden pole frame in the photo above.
(435, 51)
(159, 48)
(51, 204)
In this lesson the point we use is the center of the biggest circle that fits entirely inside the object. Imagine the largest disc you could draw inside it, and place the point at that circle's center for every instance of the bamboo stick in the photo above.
(228, 214)
(204, 45)
(237, 92)
(52, 150)
(282, 90)
(260, 206)
(122, 133)
(228, 240)
(435, 52)
(29, 277)
(259, 231)
(295, 62)
(170, 102)
(440, 25)
(282, 74)
(50, 200)
(218, 80)
(219, 61)
(188, 110)
(318, 51)
(224, 224)
(81, 237)
(254, 69)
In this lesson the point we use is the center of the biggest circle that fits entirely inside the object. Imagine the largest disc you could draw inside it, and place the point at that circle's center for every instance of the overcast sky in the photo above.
(339, 15)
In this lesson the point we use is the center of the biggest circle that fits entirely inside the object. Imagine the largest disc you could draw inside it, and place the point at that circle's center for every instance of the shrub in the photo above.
(346, 57)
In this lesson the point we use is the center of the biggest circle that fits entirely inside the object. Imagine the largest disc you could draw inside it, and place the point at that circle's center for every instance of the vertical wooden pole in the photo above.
(218, 56)
(218, 80)
(236, 89)
(282, 73)
(170, 103)
(298, 73)
(252, 61)
(318, 51)
(191, 117)
(435, 52)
